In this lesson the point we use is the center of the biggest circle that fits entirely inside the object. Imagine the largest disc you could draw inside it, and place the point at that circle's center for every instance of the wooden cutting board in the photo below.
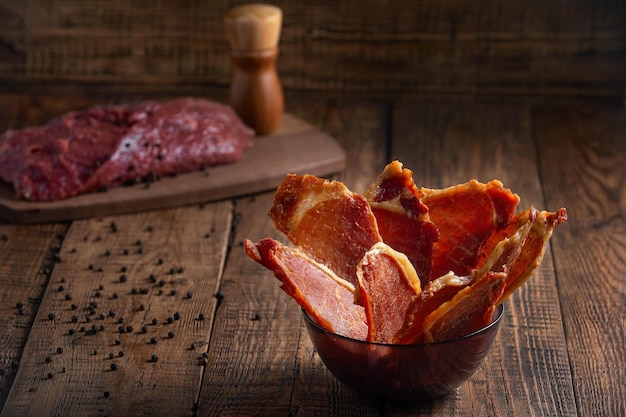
(297, 147)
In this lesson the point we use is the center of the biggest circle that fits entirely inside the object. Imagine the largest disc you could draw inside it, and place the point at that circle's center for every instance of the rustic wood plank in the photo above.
(445, 144)
(267, 366)
(583, 166)
(106, 273)
(27, 258)
(390, 50)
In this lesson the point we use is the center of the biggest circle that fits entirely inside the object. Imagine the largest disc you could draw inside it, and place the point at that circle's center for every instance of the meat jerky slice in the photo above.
(532, 250)
(403, 220)
(469, 310)
(326, 221)
(437, 292)
(107, 146)
(466, 215)
(445, 288)
(326, 298)
(388, 284)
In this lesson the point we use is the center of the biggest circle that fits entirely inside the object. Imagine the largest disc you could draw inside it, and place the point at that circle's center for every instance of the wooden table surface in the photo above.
(236, 344)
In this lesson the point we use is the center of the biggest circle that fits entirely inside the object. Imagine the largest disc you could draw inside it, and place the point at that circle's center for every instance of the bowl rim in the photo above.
(498, 314)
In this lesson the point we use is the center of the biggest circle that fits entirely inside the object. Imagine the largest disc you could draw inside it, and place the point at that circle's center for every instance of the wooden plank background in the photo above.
(382, 50)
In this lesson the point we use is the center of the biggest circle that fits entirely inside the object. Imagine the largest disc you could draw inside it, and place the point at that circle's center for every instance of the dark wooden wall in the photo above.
(95, 50)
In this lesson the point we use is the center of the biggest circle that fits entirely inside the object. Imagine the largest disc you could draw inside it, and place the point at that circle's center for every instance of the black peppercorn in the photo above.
(177, 316)
(123, 278)
(59, 350)
(50, 376)
(51, 316)
(154, 358)
(113, 366)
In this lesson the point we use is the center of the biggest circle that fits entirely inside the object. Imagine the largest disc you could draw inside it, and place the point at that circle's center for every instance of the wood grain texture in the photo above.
(582, 163)
(186, 258)
(380, 49)
(446, 144)
(24, 283)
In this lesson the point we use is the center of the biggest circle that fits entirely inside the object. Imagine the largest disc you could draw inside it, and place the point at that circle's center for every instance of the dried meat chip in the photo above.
(326, 298)
(466, 215)
(388, 284)
(469, 310)
(403, 220)
(326, 221)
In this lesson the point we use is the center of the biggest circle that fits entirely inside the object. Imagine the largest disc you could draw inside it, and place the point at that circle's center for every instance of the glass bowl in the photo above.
(404, 373)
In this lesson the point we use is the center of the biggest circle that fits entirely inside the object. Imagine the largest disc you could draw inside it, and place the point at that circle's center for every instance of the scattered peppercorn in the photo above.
(106, 394)
(59, 350)
(154, 321)
(51, 316)
(153, 340)
(154, 358)
(170, 334)
(170, 320)
(61, 288)
(177, 316)
(123, 278)
(47, 359)
(121, 353)
(113, 366)
(111, 355)
(50, 376)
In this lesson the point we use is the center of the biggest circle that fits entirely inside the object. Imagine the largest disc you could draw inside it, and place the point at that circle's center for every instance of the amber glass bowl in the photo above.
(406, 373)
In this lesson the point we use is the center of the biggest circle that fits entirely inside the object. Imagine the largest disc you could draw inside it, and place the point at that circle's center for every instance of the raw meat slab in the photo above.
(297, 147)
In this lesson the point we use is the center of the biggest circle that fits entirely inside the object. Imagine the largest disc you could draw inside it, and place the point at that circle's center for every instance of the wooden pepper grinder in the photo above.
(255, 93)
